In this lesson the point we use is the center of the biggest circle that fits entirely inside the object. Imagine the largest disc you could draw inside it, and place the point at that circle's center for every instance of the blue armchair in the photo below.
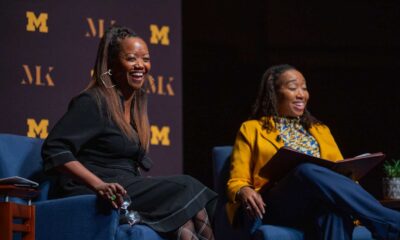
(223, 230)
(79, 217)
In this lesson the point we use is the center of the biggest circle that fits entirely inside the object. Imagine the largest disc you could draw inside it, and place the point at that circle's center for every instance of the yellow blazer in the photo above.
(254, 147)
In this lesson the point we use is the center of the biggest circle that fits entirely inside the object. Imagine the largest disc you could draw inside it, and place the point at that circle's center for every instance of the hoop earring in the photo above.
(102, 78)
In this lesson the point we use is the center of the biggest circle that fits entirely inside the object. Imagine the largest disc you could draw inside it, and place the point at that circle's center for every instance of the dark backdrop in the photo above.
(48, 49)
(347, 50)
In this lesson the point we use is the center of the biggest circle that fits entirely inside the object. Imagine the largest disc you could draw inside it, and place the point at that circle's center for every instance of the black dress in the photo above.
(85, 134)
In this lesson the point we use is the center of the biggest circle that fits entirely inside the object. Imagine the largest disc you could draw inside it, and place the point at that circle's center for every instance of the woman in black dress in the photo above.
(100, 145)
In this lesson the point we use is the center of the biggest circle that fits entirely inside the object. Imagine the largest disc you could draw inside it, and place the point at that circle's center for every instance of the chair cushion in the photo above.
(272, 232)
(138, 231)
(20, 156)
(77, 217)
(362, 233)
(267, 232)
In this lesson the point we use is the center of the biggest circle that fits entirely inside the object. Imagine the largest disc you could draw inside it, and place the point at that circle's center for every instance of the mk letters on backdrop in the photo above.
(49, 48)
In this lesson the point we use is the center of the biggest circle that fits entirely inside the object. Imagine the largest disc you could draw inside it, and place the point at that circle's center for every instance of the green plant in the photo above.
(392, 168)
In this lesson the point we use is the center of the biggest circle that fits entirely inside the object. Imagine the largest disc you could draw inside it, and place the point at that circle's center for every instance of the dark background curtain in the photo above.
(347, 50)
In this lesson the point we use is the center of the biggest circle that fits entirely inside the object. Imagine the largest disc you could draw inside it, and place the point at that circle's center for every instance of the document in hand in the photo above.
(287, 159)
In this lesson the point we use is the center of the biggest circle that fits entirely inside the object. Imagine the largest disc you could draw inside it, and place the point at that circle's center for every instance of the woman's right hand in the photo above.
(252, 202)
(112, 192)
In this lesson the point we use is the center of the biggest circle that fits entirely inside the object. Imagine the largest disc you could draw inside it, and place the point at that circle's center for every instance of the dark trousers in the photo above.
(324, 204)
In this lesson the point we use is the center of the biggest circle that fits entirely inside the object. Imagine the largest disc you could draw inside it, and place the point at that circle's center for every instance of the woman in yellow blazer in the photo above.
(320, 202)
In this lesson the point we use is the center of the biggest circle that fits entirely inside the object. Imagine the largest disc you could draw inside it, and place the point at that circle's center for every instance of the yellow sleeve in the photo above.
(241, 162)
(329, 148)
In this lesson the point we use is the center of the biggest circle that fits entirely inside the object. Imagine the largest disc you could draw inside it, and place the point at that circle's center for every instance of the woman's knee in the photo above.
(308, 169)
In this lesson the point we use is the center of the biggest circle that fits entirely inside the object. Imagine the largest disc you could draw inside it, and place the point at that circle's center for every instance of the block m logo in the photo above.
(158, 35)
(37, 22)
(160, 136)
(35, 129)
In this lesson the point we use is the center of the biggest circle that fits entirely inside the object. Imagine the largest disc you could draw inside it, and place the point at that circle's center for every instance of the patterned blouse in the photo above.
(296, 137)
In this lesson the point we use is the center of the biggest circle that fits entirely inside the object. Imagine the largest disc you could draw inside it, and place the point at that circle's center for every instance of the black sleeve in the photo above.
(81, 122)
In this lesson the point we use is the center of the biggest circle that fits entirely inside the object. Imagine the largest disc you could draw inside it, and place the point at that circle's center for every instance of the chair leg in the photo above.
(6, 221)
(30, 223)
(9, 211)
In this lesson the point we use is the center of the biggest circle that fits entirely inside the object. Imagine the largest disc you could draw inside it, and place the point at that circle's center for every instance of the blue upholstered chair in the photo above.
(223, 230)
(79, 217)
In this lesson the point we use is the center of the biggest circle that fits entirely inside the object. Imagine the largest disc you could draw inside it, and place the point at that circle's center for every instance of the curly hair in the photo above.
(266, 104)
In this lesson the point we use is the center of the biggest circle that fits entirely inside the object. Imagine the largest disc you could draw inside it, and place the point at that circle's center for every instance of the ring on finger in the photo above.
(248, 207)
(113, 197)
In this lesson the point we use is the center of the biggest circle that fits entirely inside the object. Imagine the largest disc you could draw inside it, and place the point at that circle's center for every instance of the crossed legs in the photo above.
(317, 199)
(197, 228)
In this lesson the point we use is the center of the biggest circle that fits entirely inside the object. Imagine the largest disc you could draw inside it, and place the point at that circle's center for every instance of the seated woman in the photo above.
(314, 199)
(100, 144)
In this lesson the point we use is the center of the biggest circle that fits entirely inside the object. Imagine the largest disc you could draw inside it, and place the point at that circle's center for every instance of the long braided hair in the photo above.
(106, 92)
(266, 104)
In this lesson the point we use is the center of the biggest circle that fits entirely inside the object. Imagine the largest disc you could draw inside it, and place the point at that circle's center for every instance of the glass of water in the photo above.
(126, 202)
(128, 216)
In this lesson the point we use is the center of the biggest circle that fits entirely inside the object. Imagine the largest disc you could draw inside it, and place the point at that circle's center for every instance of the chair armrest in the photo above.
(78, 217)
(221, 165)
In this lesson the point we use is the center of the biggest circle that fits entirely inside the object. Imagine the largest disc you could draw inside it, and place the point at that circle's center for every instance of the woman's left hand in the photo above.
(252, 202)
(112, 192)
